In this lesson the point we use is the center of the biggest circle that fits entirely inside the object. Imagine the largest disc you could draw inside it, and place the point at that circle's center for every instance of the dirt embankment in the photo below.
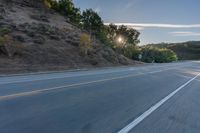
(34, 38)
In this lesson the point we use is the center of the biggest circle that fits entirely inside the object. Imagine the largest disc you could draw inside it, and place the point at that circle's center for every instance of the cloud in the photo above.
(138, 28)
(185, 33)
(155, 25)
(129, 5)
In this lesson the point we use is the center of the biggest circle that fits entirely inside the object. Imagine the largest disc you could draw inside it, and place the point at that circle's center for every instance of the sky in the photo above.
(157, 20)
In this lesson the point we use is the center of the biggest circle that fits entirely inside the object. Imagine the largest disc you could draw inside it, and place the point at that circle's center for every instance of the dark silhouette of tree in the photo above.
(92, 21)
(112, 31)
(130, 36)
(67, 8)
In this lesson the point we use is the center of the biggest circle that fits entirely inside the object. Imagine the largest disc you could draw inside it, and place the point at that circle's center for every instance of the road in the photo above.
(160, 98)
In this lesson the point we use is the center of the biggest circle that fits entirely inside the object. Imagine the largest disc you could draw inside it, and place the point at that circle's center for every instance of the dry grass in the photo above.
(85, 43)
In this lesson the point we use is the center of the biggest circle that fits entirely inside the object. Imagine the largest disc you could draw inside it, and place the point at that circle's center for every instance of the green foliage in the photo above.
(131, 52)
(111, 34)
(48, 3)
(67, 8)
(103, 37)
(53, 4)
(185, 51)
(4, 31)
(129, 36)
(158, 55)
(92, 21)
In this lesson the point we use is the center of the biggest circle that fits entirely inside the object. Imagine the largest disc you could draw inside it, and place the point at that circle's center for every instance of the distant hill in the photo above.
(185, 51)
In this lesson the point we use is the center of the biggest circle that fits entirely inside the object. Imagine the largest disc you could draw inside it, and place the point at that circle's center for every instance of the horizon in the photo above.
(173, 21)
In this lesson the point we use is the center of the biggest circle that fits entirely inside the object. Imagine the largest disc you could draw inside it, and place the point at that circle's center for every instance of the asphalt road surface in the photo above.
(161, 98)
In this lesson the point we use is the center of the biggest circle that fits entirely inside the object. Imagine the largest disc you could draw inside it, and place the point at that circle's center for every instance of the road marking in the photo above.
(74, 85)
(187, 77)
(139, 119)
(68, 76)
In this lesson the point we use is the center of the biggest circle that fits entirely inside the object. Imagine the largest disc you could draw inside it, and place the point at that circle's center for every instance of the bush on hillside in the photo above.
(158, 55)
(4, 31)
(67, 8)
(9, 47)
(102, 36)
(6, 45)
(122, 39)
(90, 21)
(85, 44)
(131, 52)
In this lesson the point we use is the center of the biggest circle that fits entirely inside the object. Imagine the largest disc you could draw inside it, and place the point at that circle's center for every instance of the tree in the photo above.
(112, 31)
(128, 35)
(75, 16)
(67, 8)
(92, 21)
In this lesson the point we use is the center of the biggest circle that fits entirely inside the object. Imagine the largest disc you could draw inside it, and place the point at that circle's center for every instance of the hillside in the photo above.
(185, 51)
(34, 38)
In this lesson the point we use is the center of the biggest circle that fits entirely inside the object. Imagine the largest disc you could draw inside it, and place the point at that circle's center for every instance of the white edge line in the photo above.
(51, 78)
(73, 85)
(139, 119)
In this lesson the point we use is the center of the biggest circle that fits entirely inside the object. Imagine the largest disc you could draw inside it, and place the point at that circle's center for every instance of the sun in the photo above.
(120, 39)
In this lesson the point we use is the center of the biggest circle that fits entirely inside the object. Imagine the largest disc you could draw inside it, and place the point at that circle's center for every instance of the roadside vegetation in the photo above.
(158, 55)
(85, 44)
(185, 50)
(122, 39)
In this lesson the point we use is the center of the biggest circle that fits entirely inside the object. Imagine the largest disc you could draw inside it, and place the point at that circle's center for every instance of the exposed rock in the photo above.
(39, 39)
(19, 38)
(72, 42)
(42, 18)
(54, 37)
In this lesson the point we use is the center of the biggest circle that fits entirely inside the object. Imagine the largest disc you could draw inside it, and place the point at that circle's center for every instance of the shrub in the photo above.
(48, 3)
(85, 43)
(103, 38)
(6, 45)
(131, 52)
(67, 8)
(158, 55)
(4, 31)
(9, 47)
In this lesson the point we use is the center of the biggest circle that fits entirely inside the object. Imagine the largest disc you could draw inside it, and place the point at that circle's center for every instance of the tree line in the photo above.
(122, 39)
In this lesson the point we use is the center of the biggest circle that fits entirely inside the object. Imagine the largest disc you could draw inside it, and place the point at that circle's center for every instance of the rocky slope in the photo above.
(34, 38)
